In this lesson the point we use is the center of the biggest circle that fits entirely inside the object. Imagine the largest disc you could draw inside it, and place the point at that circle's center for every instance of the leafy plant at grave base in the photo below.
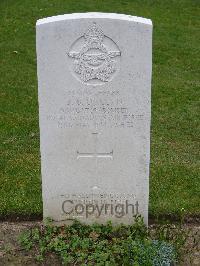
(97, 244)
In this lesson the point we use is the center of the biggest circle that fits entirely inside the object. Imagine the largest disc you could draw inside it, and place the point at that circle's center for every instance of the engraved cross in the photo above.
(95, 154)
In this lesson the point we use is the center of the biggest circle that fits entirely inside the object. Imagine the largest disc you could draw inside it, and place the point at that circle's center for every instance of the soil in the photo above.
(11, 253)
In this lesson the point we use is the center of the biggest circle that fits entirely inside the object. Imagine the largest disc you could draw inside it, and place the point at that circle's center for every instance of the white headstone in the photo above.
(94, 78)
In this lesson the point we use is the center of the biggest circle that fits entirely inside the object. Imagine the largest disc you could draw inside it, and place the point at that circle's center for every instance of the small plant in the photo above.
(81, 244)
(170, 233)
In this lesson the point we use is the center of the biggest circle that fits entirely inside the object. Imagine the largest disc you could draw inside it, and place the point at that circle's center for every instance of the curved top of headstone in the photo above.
(94, 15)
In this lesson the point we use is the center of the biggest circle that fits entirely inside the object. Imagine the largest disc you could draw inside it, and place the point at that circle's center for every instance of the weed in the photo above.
(97, 244)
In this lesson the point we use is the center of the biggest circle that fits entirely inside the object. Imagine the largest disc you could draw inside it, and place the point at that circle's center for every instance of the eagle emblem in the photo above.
(94, 60)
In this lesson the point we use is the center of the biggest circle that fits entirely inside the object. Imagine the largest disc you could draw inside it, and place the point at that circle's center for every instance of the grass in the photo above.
(174, 180)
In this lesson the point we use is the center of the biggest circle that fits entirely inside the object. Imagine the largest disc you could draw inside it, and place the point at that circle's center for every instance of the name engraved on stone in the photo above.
(96, 111)
(93, 61)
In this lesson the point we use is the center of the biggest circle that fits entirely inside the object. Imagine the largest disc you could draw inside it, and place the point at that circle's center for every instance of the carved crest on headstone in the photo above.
(94, 60)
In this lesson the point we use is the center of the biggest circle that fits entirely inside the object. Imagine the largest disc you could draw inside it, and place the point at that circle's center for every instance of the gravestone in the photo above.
(94, 79)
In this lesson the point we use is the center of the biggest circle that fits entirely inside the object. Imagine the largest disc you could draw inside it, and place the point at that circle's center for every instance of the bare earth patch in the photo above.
(11, 252)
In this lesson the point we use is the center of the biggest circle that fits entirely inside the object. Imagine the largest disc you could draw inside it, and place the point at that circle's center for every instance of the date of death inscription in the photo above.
(85, 111)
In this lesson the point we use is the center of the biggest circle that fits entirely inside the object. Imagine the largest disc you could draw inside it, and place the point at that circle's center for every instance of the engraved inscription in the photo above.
(98, 108)
(91, 112)
(95, 57)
